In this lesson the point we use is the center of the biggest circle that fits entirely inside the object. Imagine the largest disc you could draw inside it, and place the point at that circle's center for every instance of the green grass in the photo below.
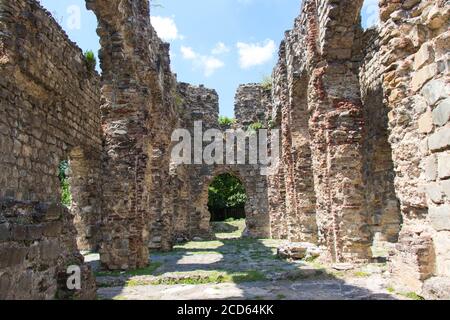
(231, 223)
(266, 83)
(201, 278)
(226, 121)
(139, 272)
(281, 296)
(199, 245)
(412, 296)
(361, 274)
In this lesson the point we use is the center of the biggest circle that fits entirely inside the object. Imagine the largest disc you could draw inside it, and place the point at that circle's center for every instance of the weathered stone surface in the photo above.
(422, 76)
(441, 115)
(437, 288)
(444, 165)
(440, 139)
(440, 217)
(430, 168)
(343, 266)
(434, 192)
(426, 123)
(434, 91)
(297, 250)
(446, 188)
(423, 56)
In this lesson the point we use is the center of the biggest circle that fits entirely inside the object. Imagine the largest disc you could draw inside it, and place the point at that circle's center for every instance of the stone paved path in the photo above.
(239, 268)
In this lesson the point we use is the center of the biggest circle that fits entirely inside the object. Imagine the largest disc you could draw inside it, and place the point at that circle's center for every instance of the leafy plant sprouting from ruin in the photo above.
(179, 101)
(226, 192)
(266, 83)
(66, 196)
(90, 60)
(226, 121)
(254, 127)
(271, 123)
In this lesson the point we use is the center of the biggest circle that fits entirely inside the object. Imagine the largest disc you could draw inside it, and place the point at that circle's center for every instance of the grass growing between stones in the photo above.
(200, 277)
(413, 296)
(199, 245)
(139, 272)
(361, 274)
(230, 229)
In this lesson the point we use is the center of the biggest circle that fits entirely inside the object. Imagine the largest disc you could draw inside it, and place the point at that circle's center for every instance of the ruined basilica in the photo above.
(364, 118)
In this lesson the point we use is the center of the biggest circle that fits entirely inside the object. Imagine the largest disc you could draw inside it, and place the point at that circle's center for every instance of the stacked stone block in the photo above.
(49, 113)
(414, 49)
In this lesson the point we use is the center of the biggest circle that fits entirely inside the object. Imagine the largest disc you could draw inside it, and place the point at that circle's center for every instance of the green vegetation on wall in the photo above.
(266, 83)
(254, 127)
(66, 196)
(226, 192)
(225, 121)
(90, 59)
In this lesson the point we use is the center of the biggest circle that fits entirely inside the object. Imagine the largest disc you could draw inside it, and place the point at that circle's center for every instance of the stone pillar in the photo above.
(414, 48)
(337, 130)
(138, 117)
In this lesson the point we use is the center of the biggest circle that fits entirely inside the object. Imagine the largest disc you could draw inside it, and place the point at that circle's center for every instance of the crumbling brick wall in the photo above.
(49, 113)
(377, 116)
(415, 57)
(202, 104)
(322, 120)
(383, 205)
(138, 116)
(195, 104)
(250, 104)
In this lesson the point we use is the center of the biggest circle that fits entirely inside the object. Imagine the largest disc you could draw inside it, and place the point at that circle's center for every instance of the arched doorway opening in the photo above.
(227, 197)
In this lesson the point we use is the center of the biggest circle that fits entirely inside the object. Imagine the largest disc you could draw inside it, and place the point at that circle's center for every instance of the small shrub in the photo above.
(90, 60)
(266, 83)
(225, 121)
(413, 296)
(254, 127)
(66, 196)
(179, 101)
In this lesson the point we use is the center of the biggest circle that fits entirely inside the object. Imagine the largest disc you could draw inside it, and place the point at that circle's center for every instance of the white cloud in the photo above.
(166, 28)
(254, 54)
(188, 53)
(220, 48)
(208, 64)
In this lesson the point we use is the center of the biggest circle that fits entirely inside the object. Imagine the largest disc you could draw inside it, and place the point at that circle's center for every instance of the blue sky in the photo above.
(218, 43)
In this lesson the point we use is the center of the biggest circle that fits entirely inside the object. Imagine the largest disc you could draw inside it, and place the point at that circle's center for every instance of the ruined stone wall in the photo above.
(195, 104)
(138, 115)
(383, 205)
(202, 104)
(322, 128)
(415, 56)
(377, 113)
(250, 104)
(276, 182)
(49, 113)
